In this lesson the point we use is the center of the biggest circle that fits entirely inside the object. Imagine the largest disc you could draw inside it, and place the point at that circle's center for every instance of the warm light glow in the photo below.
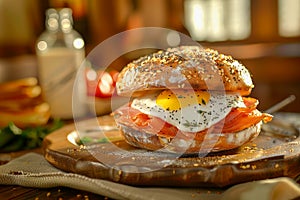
(106, 77)
(289, 18)
(105, 87)
(52, 24)
(78, 43)
(218, 20)
(42, 45)
(194, 11)
(66, 25)
(105, 83)
(240, 24)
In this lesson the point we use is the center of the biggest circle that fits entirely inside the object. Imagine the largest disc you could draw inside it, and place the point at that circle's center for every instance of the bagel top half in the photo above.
(184, 67)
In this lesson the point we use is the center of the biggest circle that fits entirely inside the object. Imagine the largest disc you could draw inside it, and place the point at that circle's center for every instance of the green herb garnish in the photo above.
(13, 138)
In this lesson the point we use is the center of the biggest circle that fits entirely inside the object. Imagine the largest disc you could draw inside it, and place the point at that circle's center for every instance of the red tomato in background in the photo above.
(101, 84)
(114, 74)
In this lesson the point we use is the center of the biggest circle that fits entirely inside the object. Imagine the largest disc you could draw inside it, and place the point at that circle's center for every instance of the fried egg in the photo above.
(188, 110)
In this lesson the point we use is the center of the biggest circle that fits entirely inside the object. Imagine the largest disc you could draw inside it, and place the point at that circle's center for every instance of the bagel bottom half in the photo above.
(183, 144)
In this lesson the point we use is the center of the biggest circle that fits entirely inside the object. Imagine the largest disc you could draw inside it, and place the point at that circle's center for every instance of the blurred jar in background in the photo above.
(60, 51)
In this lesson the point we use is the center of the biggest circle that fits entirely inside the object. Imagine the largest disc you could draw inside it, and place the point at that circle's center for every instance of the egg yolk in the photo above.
(177, 99)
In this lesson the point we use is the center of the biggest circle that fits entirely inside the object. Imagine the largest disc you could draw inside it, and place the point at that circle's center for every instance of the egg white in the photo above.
(194, 117)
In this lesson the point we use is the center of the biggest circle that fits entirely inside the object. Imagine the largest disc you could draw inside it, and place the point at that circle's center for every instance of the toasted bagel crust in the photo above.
(186, 67)
(211, 142)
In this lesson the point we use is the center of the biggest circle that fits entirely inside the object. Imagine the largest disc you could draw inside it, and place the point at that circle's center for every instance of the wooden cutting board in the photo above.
(105, 155)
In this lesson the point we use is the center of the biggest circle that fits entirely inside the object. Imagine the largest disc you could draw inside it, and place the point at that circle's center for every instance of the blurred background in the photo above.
(263, 35)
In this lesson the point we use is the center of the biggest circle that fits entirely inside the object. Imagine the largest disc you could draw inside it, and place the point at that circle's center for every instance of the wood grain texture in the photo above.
(266, 157)
(26, 193)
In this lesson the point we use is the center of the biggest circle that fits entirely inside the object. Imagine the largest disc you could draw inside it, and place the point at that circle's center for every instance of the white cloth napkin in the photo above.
(32, 170)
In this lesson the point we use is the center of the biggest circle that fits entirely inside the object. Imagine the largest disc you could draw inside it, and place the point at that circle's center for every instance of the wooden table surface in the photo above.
(58, 193)
(14, 192)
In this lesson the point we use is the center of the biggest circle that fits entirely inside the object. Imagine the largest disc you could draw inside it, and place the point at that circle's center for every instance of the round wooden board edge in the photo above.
(63, 154)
